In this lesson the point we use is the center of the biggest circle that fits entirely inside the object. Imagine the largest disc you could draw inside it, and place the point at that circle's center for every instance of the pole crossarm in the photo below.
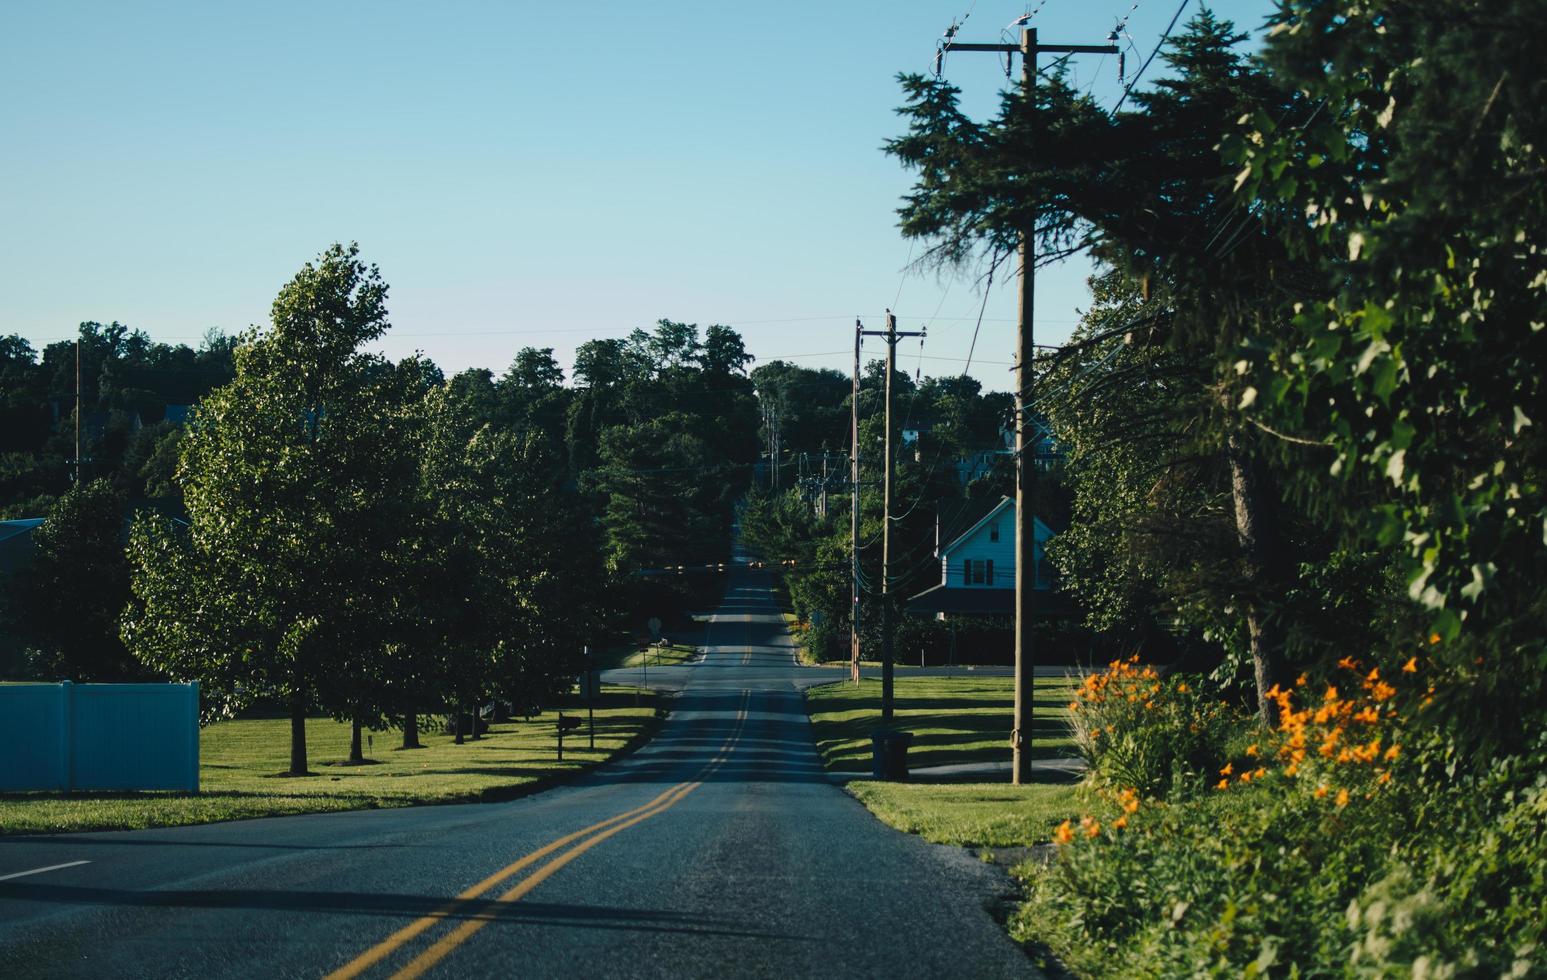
(1040, 49)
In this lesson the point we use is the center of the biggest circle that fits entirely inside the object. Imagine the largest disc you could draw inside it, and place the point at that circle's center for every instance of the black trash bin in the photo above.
(889, 754)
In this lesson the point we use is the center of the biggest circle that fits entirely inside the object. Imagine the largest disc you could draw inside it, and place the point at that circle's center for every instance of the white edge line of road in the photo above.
(38, 871)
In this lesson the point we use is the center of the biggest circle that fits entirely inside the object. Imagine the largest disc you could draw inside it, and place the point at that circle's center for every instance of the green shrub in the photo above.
(1158, 735)
(1349, 842)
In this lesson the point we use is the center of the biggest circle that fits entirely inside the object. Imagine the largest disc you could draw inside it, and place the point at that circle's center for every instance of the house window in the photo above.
(993, 531)
(977, 571)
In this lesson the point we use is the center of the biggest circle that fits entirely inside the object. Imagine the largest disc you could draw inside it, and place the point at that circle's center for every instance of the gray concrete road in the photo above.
(720, 849)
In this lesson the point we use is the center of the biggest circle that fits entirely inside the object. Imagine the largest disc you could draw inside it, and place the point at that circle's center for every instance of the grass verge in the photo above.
(995, 815)
(651, 656)
(240, 762)
(953, 720)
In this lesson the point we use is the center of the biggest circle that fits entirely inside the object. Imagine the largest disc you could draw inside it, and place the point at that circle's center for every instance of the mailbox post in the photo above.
(565, 724)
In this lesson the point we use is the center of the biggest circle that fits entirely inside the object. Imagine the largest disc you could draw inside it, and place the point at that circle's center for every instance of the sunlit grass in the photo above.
(651, 656)
(241, 763)
(972, 814)
(952, 719)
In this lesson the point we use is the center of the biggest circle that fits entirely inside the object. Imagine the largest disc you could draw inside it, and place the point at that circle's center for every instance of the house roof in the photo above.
(1005, 503)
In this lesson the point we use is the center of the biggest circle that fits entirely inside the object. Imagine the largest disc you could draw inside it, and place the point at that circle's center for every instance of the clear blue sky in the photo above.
(524, 174)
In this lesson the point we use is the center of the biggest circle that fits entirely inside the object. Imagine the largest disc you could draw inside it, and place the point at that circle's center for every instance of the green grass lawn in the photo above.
(241, 762)
(953, 720)
(652, 656)
(973, 814)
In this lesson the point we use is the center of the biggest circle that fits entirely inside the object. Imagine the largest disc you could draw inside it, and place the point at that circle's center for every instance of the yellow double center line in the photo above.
(589, 837)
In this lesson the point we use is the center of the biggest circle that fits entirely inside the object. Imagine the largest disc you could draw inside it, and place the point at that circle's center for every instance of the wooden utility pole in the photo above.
(892, 336)
(1025, 434)
(854, 511)
(77, 411)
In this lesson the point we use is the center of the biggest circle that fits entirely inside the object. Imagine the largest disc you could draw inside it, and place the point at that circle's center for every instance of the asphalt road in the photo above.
(719, 849)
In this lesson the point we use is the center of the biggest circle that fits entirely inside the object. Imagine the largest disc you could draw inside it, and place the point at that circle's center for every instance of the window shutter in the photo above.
(990, 574)
(967, 571)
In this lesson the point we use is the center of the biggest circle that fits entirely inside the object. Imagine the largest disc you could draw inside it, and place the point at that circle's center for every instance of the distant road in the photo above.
(721, 849)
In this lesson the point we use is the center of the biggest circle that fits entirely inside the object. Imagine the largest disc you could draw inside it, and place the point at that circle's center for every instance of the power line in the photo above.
(1138, 74)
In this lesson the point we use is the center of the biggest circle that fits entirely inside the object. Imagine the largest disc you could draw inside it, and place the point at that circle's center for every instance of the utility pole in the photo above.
(854, 511)
(1025, 435)
(77, 411)
(892, 336)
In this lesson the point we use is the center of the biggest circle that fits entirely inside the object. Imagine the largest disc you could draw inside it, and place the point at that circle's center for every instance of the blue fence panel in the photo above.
(99, 736)
(34, 737)
(136, 736)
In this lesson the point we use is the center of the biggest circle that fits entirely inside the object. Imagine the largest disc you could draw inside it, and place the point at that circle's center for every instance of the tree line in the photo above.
(955, 462)
(374, 540)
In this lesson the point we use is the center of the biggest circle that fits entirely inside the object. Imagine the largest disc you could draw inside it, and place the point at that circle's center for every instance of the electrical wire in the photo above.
(1140, 73)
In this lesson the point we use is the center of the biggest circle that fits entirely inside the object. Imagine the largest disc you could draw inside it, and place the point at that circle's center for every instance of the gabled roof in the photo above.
(1005, 503)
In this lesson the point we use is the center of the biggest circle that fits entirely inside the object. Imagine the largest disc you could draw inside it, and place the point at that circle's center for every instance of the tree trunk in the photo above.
(356, 755)
(472, 720)
(411, 731)
(298, 734)
(456, 723)
(1262, 556)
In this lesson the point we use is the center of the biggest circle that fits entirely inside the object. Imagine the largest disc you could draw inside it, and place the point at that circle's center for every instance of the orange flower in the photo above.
(1373, 676)
(1393, 752)
(1433, 639)
(1246, 777)
(1091, 826)
(1229, 768)
(1222, 784)
(1385, 777)
(1368, 714)
(1120, 823)
(1348, 663)
(1411, 667)
(1074, 706)
(1251, 750)
(1383, 691)
(1302, 680)
(1331, 695)
(1063, 834)
(1342, 797)
(1320, 792)
(1181, 689)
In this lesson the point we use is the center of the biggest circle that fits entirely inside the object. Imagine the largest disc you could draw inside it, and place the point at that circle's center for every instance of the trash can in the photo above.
(889, 754)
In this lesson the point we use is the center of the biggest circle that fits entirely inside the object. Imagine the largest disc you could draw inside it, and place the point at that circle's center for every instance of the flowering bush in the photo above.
(1157, 735)
(1321, 848)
